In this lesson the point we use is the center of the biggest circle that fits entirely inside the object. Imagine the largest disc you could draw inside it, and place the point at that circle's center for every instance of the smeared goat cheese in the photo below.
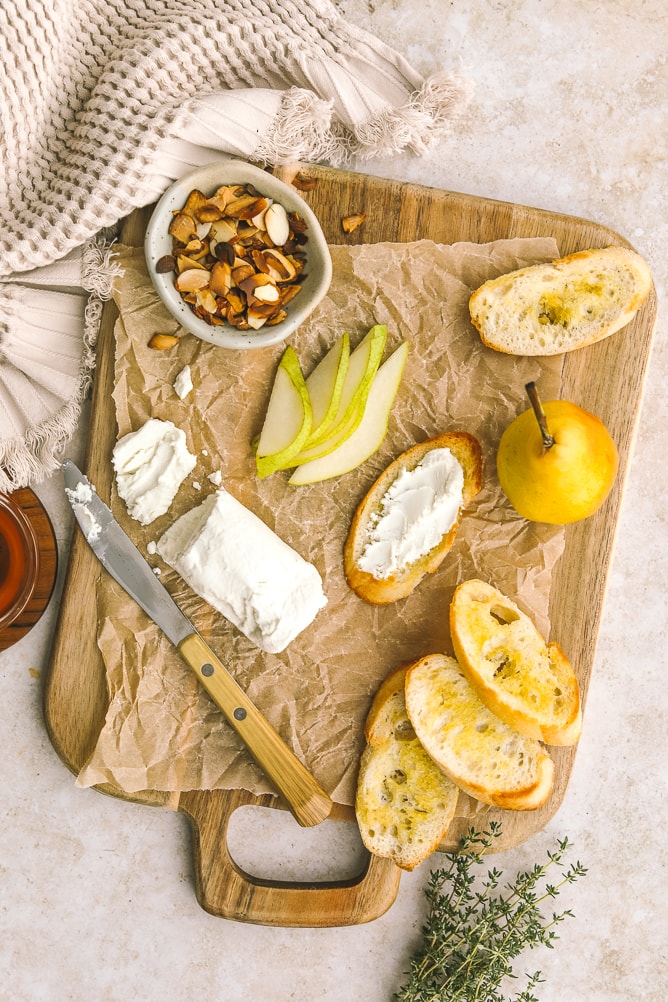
(150, 465)
(80, 499)
(416, 511)
(183, 383)
(241, 567)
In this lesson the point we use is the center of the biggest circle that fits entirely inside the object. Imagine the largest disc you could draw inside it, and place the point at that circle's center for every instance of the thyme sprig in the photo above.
(476, 927)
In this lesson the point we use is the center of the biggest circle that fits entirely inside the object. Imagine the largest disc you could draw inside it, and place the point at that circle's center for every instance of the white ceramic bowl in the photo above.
(158, 242)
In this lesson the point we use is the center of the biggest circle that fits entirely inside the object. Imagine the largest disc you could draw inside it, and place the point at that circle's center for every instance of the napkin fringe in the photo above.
(302, 130)
(29, 459)
(423, 121)
(306, 130)
(98, 269)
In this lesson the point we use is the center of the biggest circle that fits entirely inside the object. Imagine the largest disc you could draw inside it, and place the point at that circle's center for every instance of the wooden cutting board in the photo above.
(75, 688)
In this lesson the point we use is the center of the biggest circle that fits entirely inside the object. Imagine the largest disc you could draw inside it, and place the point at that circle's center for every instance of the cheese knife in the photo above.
(120, 557)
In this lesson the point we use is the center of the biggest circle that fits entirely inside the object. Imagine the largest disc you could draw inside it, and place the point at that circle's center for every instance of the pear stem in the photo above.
(548, 440)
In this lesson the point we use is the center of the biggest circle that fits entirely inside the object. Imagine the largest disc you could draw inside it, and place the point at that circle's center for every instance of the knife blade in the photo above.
(120, 557)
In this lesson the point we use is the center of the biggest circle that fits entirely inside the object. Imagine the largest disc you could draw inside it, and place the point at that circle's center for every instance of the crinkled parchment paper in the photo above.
(161, 731)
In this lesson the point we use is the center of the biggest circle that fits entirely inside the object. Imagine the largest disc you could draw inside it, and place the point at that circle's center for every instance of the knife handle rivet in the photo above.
(239, 713)
(207, 670)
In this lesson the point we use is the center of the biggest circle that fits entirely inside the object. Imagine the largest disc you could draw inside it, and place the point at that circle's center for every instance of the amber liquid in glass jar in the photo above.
(13, 560)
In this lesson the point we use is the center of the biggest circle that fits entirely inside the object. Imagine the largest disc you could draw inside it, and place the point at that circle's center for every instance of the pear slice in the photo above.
(325, 385)
(362, 368)
(343, 432)
(369, 434)
(288, 419)
(364, 359)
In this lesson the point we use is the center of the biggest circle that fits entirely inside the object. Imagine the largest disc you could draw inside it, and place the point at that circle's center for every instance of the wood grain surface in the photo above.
(75, 697)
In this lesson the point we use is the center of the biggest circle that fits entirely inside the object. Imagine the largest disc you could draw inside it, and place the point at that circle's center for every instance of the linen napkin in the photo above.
(106, 103)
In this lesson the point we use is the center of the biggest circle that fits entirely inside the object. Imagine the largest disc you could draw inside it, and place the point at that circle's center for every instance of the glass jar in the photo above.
(19, 561)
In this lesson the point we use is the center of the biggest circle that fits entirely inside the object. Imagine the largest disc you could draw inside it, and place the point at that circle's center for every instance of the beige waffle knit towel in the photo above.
(105, 103)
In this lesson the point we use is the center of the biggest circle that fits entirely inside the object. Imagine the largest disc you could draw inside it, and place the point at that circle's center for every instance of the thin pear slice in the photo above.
(288, 419)
(344, 428)
(325, 385)
(362, 368)
(369, 434)
(330, 444)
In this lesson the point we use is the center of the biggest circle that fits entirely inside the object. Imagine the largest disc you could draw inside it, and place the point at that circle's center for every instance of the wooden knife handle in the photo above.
(307, 800)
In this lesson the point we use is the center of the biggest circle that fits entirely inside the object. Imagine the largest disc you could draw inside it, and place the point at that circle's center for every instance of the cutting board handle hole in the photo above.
(270, 845)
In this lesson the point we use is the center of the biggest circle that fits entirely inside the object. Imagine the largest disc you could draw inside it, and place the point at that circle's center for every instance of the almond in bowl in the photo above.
(236, 255)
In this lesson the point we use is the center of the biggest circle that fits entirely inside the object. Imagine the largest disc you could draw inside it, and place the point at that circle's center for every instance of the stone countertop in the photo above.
(569, 104)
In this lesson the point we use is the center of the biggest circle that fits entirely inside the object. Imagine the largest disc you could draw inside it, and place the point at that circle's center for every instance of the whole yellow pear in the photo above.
(561, 472)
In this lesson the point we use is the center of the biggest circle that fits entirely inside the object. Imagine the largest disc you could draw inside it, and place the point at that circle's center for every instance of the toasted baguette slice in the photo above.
(404, 803)
(383, 590)
(527, 683)
(547, 309)
(483, 756)
(387, 718)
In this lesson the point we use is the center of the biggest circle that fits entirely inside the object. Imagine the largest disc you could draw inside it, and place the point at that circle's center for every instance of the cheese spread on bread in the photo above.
(419, 507)
(150, 465)
(241, 567)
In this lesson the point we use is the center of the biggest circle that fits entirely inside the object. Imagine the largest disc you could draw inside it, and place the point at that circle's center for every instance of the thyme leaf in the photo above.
(476, 926)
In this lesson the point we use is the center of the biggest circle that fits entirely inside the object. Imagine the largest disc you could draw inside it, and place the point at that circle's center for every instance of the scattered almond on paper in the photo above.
(162, 342)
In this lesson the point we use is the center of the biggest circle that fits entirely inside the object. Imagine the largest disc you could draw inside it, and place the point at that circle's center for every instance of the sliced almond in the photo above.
(304, 183)
(264, 311)
(223, 229)
(227, 192)
(192, 280)
(207, 301)
(246, 207)
(289, 292)
(258, 219)
(209, 212)
(225, 252)
(221, 197)
(196, 249)
(236, 301)
(221, 278)
(297, 224)
(185, 263)
(260, 262)
(195, 199)
(242, 272)
(278, 266)
(255, 322)
(277, 224)
(161, 342)
(350, 223)
(165, 264)
(260, 287)
(247, 231)
(277, 318)
(182, 227)
(239, 321)
(267, 293)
